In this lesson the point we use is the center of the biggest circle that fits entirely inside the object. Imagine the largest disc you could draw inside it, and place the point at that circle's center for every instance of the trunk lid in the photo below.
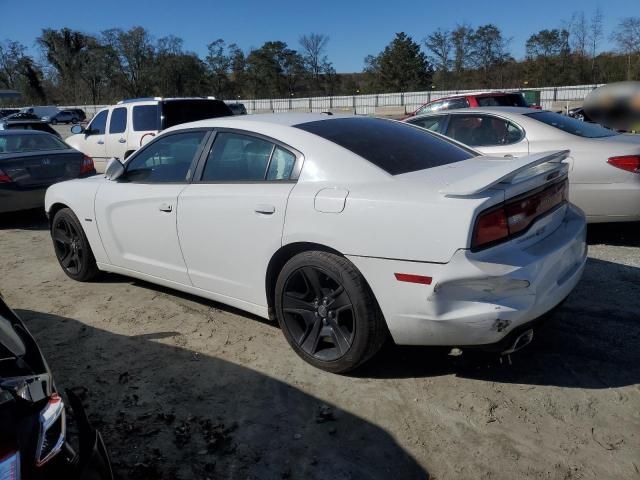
(41, 168)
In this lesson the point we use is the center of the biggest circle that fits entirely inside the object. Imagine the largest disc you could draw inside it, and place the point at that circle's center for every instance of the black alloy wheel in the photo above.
(72, 247)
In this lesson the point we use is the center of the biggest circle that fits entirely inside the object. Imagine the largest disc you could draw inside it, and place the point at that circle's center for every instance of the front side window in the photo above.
(118, 122)
(483, 130)
(238, 158)
(434, 124)
(145, 118)
(99, 124)
(508, 100)
(571, 125)
(167, 160)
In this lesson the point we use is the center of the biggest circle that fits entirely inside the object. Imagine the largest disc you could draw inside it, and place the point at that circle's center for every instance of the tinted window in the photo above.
(145, 117)
(281, 166)
(456, 103)
(571, 125)
(236, 157)
(98, 124)
(175, 112)
(166, 160)
(510, 100)
(430, 123)
(118, 122)
(393, 146)
(30, 143)
(432, 107)
(483, 130)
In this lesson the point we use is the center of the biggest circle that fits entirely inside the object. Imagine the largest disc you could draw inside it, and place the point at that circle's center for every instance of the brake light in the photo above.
(4, 178)
(514, 217)
(87, 165)
(10, 466)
(52, 430)
(630, 163)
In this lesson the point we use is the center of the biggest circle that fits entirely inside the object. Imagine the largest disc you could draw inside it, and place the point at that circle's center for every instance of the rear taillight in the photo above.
(87, 165)
(4, 178)
(630, 163)
(10, 466)
(504, 222)
(52, 430)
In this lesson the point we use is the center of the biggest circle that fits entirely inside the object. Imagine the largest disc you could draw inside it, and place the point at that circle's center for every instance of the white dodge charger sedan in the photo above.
(604, 165)
(344, 229)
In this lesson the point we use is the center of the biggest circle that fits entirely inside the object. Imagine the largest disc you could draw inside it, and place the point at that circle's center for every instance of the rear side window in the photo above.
(571, 125)
(118, 123)
(175, 112)
(145, 117)
(483, 130)
(511, 100)
(395, 147)
(434, 124)
(237, 158)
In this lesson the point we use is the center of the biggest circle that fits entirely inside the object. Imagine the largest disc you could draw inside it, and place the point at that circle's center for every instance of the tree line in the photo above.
(80, 68)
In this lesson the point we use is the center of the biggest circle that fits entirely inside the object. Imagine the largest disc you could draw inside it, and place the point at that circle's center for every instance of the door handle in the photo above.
(265, 209)
(165, 207)
(122, 140)
(100, 142)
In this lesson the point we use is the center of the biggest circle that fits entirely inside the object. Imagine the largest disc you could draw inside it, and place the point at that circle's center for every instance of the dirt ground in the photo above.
(185, 388)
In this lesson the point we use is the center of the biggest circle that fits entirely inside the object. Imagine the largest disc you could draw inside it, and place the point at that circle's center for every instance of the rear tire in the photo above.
(327, 312)
(54, 122)
(72, 247)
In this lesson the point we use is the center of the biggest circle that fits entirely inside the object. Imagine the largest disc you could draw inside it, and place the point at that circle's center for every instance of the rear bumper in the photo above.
(13, 199)
(608, 202)
(480, 298)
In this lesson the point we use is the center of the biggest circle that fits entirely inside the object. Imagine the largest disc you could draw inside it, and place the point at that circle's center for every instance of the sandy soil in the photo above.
(185, 388)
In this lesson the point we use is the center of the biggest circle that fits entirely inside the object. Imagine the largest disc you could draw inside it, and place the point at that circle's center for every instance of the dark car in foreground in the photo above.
(34, 441)
(12, 123)
(5, 112)
(30, 162)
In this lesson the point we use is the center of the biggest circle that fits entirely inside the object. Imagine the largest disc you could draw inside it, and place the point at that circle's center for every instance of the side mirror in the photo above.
(77, 129)
(114, 170)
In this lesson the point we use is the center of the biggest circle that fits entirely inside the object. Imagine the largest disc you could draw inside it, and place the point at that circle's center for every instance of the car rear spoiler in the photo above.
(489, 171)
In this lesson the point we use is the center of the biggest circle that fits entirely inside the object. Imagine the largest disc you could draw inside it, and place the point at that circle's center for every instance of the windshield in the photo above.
(571, 125)
(395, 147)
(30, 143)
(510, 100)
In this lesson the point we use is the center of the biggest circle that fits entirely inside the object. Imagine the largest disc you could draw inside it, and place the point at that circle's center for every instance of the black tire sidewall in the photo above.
(366, 311)
(89, 268)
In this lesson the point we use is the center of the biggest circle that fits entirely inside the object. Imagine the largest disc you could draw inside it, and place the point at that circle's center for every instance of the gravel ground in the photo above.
(185, 388)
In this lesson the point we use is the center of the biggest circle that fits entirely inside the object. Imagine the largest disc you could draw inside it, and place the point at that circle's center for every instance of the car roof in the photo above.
(17, 131)
(494, 110)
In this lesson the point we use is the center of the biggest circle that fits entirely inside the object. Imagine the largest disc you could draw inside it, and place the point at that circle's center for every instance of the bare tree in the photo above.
(462, 41)
(314, 46)
(10, 55)
(439, 44)
(627, 39)
(596, 30)
(579, 29)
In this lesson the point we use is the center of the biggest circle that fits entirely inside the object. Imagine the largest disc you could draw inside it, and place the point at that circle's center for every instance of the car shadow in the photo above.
(591, 342)
(167, 412)
(618, 234)
(34, 219)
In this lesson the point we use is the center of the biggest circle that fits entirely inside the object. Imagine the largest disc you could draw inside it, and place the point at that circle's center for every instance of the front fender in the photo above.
(79, 195)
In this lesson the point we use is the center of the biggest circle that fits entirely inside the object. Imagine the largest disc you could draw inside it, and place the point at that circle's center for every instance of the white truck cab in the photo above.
(119, 130)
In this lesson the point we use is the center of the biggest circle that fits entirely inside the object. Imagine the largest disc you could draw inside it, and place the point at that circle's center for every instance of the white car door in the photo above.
(116, 135)
(230, 220)
(491, 135)
(136, 214)
(91, 141)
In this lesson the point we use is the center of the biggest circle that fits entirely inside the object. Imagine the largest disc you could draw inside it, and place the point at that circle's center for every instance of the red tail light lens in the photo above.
(87, 165)
(513, 218)
(4, 178)
(630, 163)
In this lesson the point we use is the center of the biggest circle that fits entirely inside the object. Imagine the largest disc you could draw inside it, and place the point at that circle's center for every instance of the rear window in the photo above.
(510, 100)
(395, 147)
(30, 143)
(145, 117)
(175, 112)
(571, 125)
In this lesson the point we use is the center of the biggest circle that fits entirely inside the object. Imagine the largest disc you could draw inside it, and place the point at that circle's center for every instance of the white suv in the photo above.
(119, 130)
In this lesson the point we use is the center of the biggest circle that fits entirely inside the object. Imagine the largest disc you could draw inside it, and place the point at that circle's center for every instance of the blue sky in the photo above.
(356, 29)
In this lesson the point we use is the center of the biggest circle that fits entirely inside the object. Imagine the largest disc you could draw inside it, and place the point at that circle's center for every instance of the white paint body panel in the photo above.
(213, 243)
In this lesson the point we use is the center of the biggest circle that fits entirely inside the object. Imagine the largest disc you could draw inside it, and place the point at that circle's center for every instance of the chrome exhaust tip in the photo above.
(520, 342)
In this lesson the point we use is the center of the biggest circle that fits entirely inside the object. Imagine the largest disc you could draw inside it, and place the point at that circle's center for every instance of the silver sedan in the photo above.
(604, 165)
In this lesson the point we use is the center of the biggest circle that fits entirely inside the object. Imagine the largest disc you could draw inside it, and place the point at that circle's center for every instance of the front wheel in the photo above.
(327, 312)
(72, 247)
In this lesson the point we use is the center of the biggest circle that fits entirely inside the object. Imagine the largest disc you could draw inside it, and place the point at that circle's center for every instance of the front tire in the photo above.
(72, 247)
(327, 312)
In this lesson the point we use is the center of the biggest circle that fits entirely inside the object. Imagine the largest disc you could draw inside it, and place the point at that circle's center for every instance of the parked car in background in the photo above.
(25, 124)
(605, 165)
(343, 228)
(30, 162)
(63, 116)
(121, 129)
(22, 116)
(579, 114)
(41, 111)
(79, 113)
(34, 439)
(5, 112)
(473, 100)
(237, 108)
